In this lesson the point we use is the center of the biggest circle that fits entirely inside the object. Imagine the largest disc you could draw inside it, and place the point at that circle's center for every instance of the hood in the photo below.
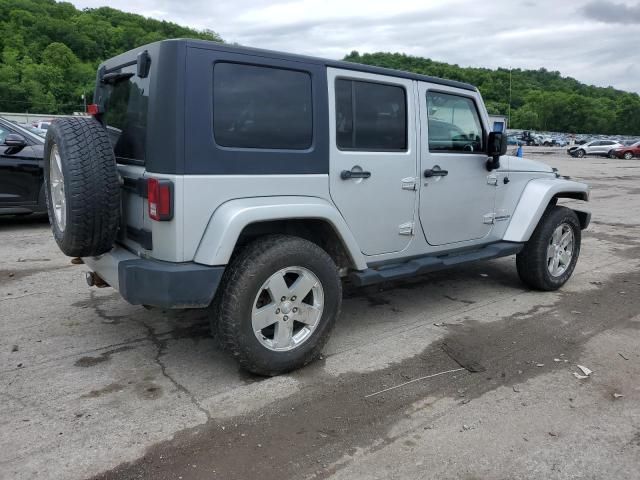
(518, 164)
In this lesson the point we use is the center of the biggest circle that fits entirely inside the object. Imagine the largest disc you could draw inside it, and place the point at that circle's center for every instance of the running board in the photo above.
(432, 263)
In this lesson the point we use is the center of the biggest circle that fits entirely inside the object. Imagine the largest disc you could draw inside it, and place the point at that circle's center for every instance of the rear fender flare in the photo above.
(230, 218)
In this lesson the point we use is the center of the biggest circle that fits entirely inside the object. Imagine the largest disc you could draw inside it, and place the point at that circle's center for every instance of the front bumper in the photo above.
(142, 281)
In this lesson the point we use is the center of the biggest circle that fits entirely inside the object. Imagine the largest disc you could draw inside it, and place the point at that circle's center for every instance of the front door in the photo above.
(457, 192)
(373, 157)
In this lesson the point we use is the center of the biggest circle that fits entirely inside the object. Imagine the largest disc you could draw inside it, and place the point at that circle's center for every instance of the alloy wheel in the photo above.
(287, 308)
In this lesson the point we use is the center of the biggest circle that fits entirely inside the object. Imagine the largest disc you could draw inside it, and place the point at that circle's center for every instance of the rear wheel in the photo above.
(280, 299)
(549, 257)
(628, 155)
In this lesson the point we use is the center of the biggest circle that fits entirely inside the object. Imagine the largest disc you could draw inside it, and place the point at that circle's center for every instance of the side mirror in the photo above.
(496, 147)
(14, 140)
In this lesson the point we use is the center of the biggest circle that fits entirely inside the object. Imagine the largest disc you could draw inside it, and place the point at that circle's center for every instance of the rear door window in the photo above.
(261, 107)
(126, 115)
(370, 116)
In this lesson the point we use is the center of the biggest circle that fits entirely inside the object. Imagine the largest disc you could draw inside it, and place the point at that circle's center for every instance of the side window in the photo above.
(370, 116)
(3, 135)
(261, 107)
(454, 124)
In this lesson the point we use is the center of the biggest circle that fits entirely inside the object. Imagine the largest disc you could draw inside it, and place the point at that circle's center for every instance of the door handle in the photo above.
(436, 171)
(348, 174)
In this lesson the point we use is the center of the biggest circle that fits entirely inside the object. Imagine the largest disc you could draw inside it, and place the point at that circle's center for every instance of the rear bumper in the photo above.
(141, 281)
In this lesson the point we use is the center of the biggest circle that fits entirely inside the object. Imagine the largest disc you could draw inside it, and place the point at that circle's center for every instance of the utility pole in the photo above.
(509, 109)
(84, 100)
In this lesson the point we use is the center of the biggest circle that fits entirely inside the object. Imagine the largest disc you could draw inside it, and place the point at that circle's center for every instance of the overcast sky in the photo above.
(595, 41)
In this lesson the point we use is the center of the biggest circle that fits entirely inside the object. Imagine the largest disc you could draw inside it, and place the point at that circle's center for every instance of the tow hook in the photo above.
(95, 280)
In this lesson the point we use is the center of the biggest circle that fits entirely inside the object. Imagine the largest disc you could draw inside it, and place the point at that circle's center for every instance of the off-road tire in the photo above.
(247, 272)
(532, 260)
(91, 186)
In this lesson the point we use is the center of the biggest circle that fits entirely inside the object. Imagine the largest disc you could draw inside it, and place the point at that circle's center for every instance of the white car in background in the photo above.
(43, 125)
(594, 147)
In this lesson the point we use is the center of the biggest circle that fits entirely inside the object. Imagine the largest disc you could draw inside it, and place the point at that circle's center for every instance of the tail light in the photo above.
(160, 197)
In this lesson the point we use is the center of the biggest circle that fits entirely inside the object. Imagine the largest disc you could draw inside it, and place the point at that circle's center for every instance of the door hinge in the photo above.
(406, 228)
(409, 183)
(492, 180)
(489, 218)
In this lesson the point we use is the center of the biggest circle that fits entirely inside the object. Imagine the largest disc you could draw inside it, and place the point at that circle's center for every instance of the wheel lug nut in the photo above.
(285, 318)
(283, 299)
(277, 310)
(295, 309)
(293, 299)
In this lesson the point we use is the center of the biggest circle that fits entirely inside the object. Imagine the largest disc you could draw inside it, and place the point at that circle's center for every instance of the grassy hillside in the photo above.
(540, 99)
(49, 51)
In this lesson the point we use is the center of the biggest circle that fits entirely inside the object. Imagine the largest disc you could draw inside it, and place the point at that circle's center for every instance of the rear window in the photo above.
(261, 107)
(126, 115)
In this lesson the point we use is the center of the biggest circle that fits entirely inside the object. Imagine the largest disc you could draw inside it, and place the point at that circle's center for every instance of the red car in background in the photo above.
(628, 151)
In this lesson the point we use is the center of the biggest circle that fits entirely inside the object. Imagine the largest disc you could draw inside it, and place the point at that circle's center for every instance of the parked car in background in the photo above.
(601, 148)
(21, 173)
(514, 140)
(627, 151)
(42, 125)
(32, 129)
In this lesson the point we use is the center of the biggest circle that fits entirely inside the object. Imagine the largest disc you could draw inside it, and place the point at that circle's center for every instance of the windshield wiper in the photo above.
(115, 77)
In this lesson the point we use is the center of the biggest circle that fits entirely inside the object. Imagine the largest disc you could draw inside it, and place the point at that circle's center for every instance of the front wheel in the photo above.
(549, 257)
(580, 153)
(280, 299)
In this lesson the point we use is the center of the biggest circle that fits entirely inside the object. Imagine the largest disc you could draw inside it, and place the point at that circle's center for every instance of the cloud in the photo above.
(528, 34)
(610, 12)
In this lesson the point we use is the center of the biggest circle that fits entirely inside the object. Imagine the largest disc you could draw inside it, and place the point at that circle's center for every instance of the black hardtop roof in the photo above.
(316, 60)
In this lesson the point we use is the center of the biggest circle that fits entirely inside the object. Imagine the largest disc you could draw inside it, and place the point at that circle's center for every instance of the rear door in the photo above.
(373, 158)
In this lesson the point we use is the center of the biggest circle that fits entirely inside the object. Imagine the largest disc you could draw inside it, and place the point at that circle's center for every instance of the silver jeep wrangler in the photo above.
(253, 182)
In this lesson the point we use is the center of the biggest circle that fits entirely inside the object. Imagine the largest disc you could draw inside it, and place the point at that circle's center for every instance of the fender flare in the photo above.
(230, 218)
(534, 201)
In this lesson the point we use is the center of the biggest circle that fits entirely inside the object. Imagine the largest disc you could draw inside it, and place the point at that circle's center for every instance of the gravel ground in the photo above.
(92, 386)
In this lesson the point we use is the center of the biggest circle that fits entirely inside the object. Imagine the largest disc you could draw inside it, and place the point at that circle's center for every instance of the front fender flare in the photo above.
(534, 200)
(230, 218)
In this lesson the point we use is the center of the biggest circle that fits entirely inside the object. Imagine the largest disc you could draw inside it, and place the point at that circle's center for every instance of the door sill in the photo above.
(432, 263)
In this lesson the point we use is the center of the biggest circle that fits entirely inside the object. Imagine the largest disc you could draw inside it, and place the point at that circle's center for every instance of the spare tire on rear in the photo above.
(82, 186)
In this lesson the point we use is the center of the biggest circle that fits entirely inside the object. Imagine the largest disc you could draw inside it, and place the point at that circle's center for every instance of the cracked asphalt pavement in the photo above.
(91, 387)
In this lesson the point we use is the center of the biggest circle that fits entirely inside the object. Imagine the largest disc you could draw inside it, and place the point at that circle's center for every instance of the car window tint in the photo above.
(454, 124)
(261, 107)
(370, 116)
(3, 134)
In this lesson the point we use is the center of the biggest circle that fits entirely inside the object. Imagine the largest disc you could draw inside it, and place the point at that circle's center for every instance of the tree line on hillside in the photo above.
(49, 51)
(540, 99)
